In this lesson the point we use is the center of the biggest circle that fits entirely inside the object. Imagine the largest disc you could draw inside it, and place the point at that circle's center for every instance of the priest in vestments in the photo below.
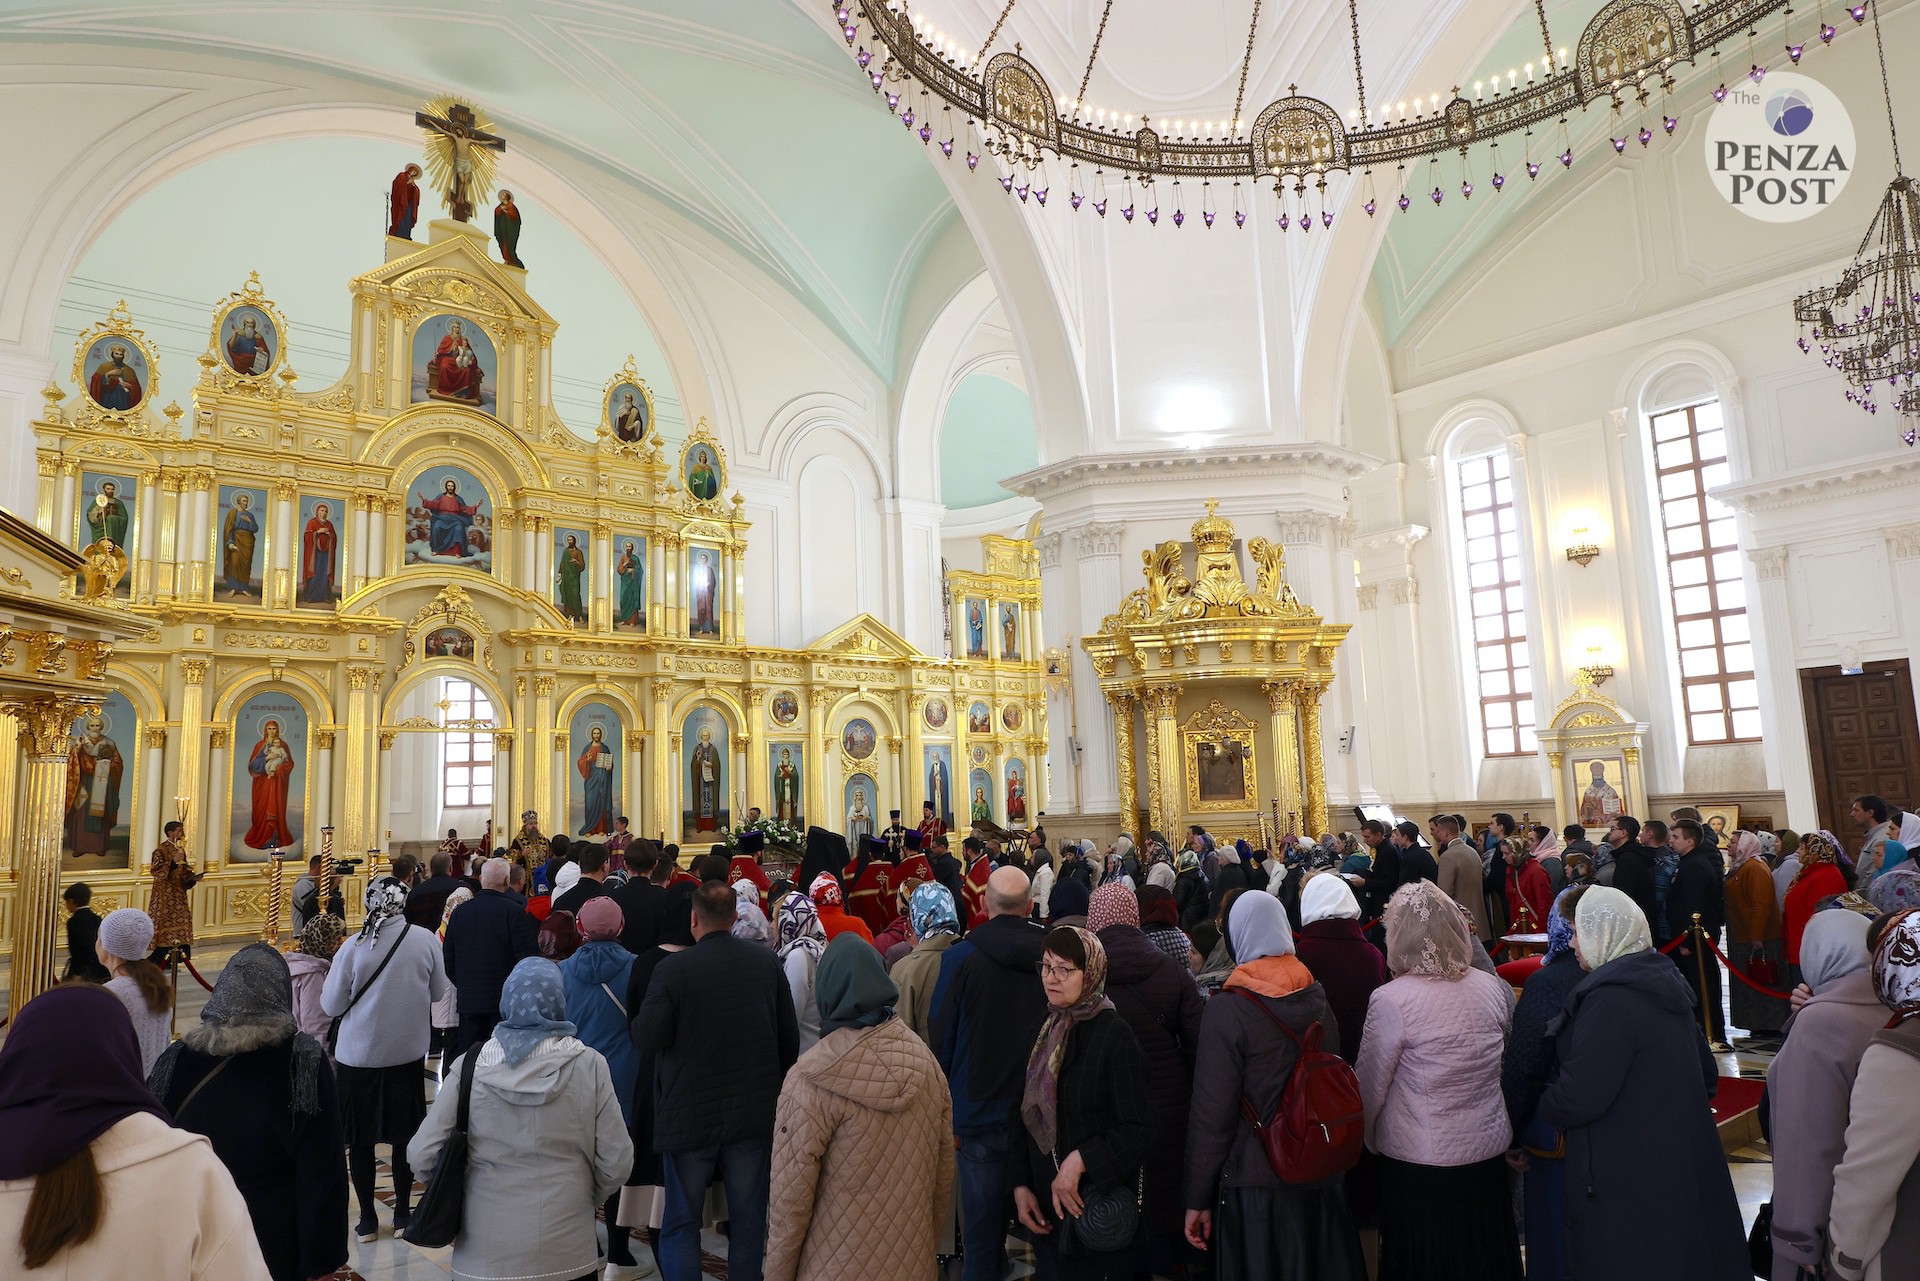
(974, 888)
(870, 882)
(747, 864)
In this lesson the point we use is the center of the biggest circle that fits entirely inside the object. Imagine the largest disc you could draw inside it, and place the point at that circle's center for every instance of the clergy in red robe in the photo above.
(974, 889)
(747, 863)
(870, 897)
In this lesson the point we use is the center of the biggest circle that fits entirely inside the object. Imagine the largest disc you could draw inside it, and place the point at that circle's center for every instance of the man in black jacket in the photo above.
(987, 1009)
(593, 878)
(1697, 888)
(1416, 860)
(486, 938)
(640, 898)
(719, 1024)
(1633, 868)
(1377, 884)
(427, 900)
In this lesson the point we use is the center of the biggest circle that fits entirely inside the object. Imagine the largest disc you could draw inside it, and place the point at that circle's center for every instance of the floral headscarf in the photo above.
(1186, 861)
(1610, 926)
(1896, 965)
(461, 894)
(749, 922)
(1040, 1102)
(1426, 935)
(1769, 847)
(930, 909)
(533, 1008)
(1559, 926)
(385, 898)
(1819, 848)
(1113, 904)
(825, 890)
(323, 935)
(797, 925)
(1741, 849)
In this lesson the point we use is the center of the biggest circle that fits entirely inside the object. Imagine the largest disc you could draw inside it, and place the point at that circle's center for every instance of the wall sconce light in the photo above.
(1596, 674)
(1583, 549)
(1598, 645)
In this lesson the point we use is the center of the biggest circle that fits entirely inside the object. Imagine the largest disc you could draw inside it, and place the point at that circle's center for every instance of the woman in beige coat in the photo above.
(863, 1147)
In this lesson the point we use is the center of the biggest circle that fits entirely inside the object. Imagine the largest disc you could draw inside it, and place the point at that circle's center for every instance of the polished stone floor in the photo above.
(390, 1259)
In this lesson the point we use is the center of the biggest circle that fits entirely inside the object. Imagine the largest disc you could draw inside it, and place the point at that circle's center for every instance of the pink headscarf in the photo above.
(1743, 846)
(1113, 904)
(601, 919)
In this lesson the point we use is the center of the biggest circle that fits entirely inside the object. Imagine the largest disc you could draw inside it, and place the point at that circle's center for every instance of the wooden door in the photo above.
(1864, 739)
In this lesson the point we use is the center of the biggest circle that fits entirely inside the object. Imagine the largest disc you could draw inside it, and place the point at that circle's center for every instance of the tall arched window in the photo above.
(466, 779)
(1712, 634)
(1496, 603)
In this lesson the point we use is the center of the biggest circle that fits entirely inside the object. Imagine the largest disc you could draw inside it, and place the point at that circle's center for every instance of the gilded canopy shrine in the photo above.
(1215, 684)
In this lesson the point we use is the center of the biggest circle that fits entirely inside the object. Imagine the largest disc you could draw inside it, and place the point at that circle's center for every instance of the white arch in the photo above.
(931, 377)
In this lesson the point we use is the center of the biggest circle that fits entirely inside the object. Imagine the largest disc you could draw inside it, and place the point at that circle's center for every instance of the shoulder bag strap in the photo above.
(1300, 1045)
(618, 1004)
(466, 1085)
(194, 1093)
(377, 971)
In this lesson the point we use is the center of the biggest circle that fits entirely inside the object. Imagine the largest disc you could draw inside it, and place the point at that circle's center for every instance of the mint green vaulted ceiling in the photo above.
(741, 115)
(986, 433)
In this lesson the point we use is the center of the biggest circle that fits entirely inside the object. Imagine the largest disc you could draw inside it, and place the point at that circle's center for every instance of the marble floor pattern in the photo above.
(390, 1259)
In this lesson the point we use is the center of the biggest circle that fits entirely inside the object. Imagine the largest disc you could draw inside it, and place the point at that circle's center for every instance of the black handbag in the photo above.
(1760, 1241)
(443, 1206)
(1108, 1221)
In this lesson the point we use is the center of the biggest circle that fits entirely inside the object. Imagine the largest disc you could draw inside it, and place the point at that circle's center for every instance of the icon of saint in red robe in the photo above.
(271, 766)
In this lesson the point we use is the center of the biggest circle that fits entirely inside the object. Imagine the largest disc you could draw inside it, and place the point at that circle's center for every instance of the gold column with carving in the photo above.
(543, 687)
(1165, 704)
(1124, 765)
(1153, 764)
(1286, 747)
(46, 736)
(9, 787)
(816, 760)
(661, 800)
(1307, 697)
(756, 700)
(190, 775)
(356, 817)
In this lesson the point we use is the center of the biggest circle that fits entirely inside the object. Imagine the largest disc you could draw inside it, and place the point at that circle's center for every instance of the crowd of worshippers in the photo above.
(1131, 1061)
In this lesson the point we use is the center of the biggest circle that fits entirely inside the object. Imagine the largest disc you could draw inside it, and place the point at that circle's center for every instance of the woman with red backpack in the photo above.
(1248, 1204)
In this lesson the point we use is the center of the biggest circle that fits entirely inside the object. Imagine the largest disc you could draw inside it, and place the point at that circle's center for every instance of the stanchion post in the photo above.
(1700, 970)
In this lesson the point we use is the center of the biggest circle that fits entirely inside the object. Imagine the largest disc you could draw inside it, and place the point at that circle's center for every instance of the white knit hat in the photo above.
(566, 878)
(127, 933)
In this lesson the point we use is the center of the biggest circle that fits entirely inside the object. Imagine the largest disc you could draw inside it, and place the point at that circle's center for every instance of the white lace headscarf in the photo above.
(1426, 934)
(1607, 926)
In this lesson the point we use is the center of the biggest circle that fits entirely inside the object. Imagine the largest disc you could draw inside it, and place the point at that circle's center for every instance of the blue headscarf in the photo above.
(533, 1007)
(931, 910)
(1559, 928)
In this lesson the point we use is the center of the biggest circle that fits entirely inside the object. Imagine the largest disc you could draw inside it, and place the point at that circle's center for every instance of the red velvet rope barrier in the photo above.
(1735, 971)
(186, 961)
(1678, 939)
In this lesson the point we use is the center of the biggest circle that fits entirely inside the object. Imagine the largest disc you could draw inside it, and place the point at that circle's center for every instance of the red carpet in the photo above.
(1737, 1094)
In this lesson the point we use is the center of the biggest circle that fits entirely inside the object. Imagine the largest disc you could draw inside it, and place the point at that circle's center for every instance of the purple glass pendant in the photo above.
(1179, 217)
(1466, 191)
(1021, 191)
(1040, 194)
(926, 133)
(1306, 224)
(1756, 73)
(1827, 33)
(1619, 144)
(1100, 207)
(1566, 158)
(1326, 218)
(1074, 199)
(1669, 123)
(1533, 170)
(1153, 216)
(876, 79)
(1369, 207)
(1283, 220)
(1404, 202)
(1646, 135)
(1720, 93)
(1239, 217)
(1804, 345)
(862, 58)
(893, 101)
(906, 118)
(1794, 51)
(973, 160)
(946, 148)
(1006, 184)
(1858, 12)
(1437, 196)
(851, 32)
(1127, 213)
(1206, 216)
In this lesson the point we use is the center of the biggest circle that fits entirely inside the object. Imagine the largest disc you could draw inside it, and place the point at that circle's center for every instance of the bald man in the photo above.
(987, 1011)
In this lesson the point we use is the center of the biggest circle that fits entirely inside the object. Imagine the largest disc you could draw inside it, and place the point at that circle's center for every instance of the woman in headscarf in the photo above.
(446, 1010)
(1333, 949)
(1753, 933)
(1159, 864)
(1068, 905)
(1528, 1065)
(830, 906)
(865, 1137)
(1084, 1124)
(1123, 863)
(1230, 876)
(936, 927)
(1251, 1224)
(643, 1198)
(1653, 1199)
(1810, 1085)
(309, 962)
(559, 935)
(1786, 867)
(1897, 887)
(749, 922)
(799, 941)
(1819, 877)
(1430, 1078)
(1160, 922)
(93, 1180)
(261, 1091)
(1155, 996)
(596, 979)
(381, 987)
(545, 1142)
(1189, 890)
(1043, 880)
(1875, 1222)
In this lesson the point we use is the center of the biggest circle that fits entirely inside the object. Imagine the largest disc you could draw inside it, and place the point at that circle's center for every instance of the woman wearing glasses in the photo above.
(1085, 1121)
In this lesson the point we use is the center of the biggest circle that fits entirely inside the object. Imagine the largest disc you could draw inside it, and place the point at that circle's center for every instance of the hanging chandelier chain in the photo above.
(1886, 93)
(1086, 77)
(995, 33)
(1246, 61)
(1540, 9)
(1359, 77)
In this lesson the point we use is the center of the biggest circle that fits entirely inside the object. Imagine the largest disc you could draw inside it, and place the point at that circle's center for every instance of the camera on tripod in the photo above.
(346, 866)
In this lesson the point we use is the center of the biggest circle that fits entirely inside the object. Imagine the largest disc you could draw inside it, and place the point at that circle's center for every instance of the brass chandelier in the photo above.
(1867, 323)
(1627, 53)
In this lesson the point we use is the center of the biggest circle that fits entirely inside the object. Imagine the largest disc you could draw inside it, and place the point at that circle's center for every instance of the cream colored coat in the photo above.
(862, 1160)
(171, 1211)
